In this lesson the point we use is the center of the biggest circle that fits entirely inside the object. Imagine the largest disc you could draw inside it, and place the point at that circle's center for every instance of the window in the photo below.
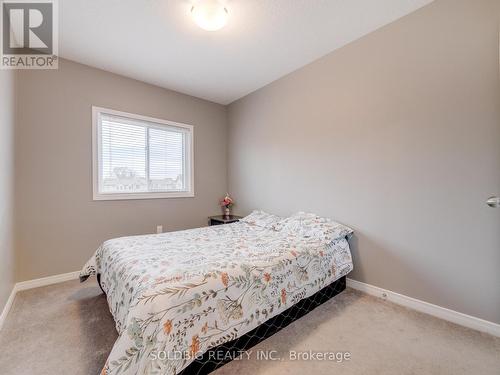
(137, 157)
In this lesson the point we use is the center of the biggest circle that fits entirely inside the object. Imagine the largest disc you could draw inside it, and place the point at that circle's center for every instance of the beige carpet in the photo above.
(67, 329)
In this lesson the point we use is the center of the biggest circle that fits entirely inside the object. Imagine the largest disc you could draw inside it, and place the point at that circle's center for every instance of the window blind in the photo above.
(136, 156)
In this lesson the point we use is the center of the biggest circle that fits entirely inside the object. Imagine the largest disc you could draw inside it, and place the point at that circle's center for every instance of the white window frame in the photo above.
(96, 115)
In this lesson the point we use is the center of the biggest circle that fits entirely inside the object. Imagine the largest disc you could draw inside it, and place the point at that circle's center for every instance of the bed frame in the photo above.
(232, 349)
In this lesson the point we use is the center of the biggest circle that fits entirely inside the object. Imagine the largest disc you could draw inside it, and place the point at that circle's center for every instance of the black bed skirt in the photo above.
(224, 353)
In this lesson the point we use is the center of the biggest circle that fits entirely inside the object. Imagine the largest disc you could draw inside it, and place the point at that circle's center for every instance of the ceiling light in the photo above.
(210, 15)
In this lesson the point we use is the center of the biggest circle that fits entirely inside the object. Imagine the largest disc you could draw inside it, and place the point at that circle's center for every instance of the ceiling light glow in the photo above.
(210, 15)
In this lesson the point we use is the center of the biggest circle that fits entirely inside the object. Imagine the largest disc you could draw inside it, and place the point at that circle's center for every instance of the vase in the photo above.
(227, 211)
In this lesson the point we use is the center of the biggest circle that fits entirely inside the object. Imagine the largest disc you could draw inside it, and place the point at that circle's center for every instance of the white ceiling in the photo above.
(156, 41)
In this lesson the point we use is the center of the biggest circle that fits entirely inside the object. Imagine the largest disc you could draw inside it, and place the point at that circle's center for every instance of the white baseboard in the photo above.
(428, 308)
(7, 307)
(400, 299)
(44, 281)
(31, 284)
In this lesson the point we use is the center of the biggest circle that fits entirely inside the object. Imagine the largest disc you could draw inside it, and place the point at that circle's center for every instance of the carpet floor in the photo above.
(67, 329)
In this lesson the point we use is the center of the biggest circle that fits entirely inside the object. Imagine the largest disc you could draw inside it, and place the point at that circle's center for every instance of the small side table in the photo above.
(222, 219)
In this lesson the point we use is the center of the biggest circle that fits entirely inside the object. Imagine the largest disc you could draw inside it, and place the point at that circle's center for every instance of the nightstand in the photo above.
(222, 219)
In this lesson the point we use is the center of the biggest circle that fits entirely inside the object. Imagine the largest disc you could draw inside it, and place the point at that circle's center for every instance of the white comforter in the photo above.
(175, 295)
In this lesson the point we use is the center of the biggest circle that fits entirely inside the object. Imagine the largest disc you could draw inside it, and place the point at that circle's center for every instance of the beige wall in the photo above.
(58, 225)
(7, 116)
(397, 135)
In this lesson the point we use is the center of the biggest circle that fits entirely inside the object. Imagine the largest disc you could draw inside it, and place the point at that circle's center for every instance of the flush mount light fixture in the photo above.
(210, 15)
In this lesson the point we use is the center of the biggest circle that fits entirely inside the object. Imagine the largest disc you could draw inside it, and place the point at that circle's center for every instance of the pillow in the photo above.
(262, 219)
(312, 226)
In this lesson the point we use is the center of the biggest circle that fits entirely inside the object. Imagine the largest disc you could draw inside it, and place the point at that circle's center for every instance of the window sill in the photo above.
(130, 196)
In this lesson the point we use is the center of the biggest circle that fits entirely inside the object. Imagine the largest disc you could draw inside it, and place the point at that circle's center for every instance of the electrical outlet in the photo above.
(159, 229)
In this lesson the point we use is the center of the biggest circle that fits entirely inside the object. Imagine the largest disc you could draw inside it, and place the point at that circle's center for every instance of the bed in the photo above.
(178, 297)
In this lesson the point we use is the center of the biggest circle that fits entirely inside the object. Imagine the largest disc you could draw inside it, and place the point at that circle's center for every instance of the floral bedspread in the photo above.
(175, 295)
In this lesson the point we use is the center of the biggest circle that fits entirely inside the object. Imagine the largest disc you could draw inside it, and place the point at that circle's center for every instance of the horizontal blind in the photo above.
(139, 156)
(166, 162)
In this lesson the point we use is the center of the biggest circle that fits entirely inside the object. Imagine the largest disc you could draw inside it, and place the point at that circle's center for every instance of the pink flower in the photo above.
(226, 201)
(225, 278)
(283, 295)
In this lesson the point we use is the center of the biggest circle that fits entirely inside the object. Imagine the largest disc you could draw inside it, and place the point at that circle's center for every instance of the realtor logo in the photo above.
(29, 34)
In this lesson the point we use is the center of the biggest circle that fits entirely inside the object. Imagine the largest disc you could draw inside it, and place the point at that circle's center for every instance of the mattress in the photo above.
(175, 295)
